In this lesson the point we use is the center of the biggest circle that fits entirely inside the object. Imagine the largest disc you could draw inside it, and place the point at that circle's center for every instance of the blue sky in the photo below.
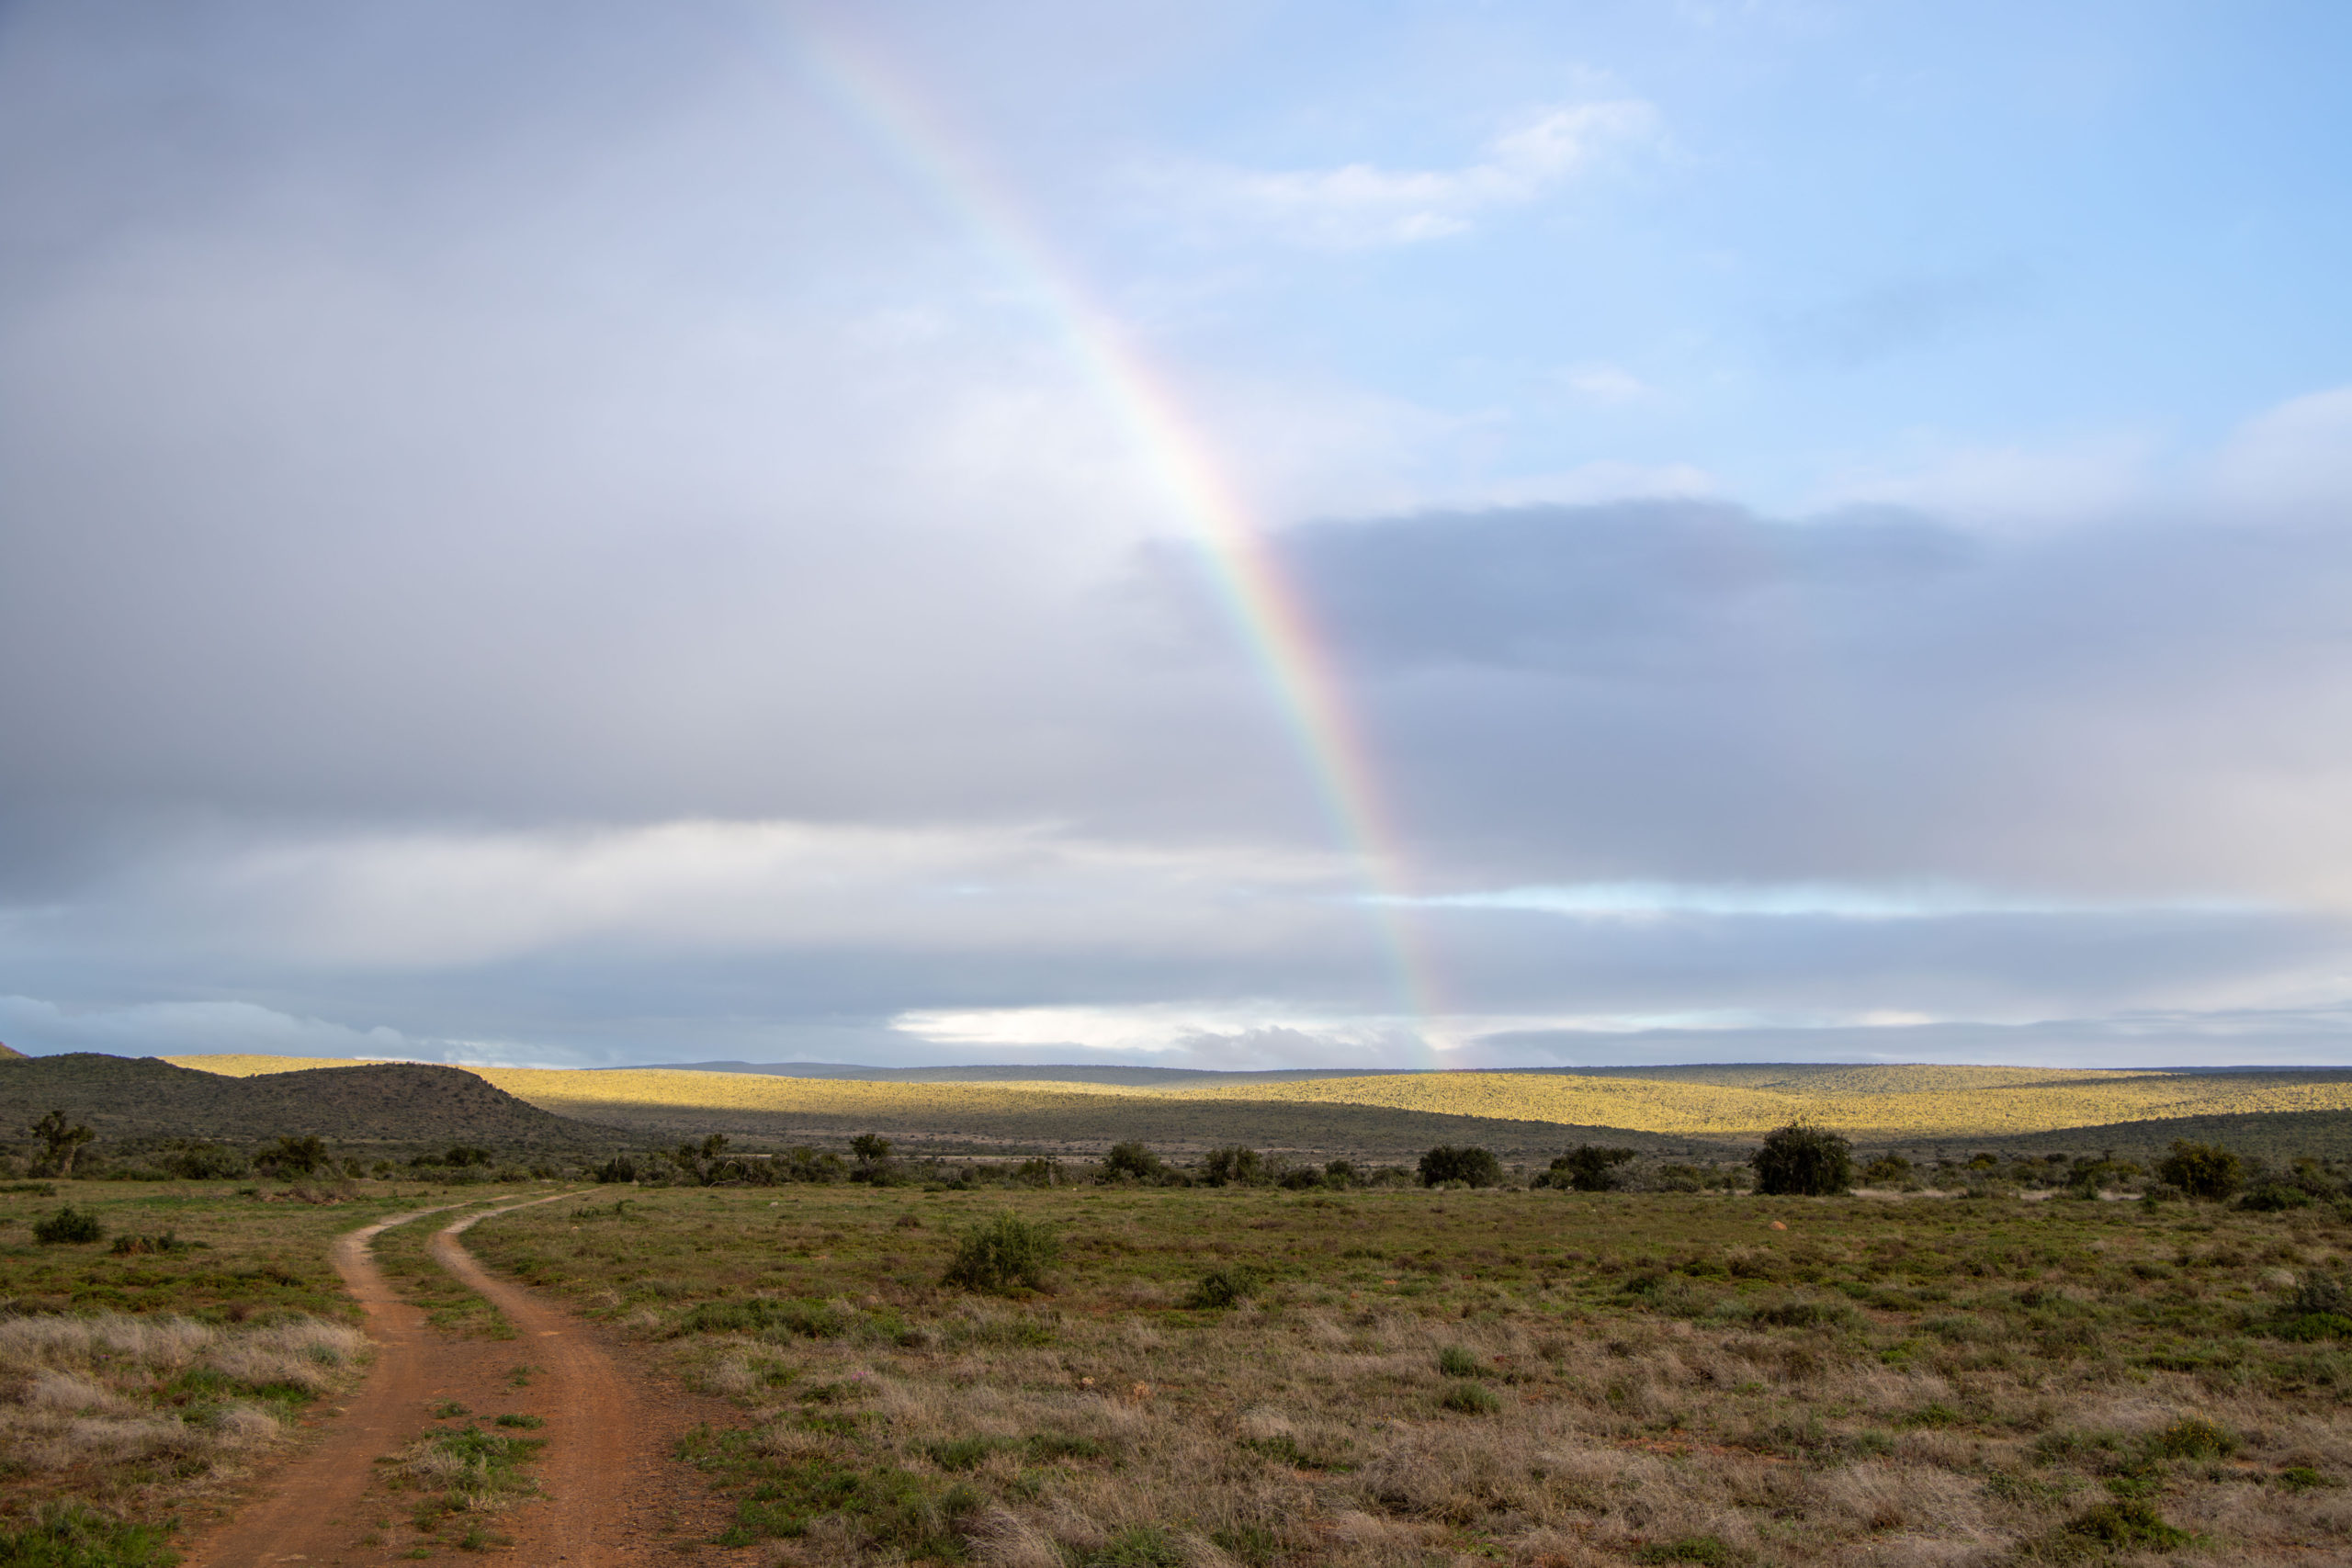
(582, 533)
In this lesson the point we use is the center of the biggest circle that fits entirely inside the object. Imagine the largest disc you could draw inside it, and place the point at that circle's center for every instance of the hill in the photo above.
(1135, 1078)
(143, 1100)
(1720, 1109)
(10, 1053)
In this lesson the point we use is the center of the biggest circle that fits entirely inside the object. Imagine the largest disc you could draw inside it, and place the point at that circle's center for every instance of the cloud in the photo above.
(1358, 206)
(2295, 458)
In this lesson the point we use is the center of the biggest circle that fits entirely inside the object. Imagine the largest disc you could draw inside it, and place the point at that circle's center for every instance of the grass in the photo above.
(404, 1254)
(462, 1478)
(136, 1376)
(1427, 1376)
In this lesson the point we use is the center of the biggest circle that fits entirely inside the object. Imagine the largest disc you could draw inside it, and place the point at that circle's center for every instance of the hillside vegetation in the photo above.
(1514, 1112)
(128, 1100)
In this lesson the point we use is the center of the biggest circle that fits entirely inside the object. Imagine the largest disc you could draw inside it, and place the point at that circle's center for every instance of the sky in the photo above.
(1228, 535)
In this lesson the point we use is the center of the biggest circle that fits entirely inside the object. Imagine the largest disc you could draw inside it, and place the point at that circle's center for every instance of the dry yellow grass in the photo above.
(1869, 1101)
(1874, 1102)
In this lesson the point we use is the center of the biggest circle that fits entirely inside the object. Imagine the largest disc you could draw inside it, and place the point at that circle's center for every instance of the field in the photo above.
(1253, 1378)
(143, 1373)
(1520, 1113)
(1257, 1378)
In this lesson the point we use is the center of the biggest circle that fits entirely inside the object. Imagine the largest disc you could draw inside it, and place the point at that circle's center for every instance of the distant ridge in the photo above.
(145, 1099)
(1008, 1073)
(10, 1053)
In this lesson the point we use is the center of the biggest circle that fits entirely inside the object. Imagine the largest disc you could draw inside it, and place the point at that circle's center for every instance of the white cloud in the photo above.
(1363, 204)
(2295, 458)
(1645, 900)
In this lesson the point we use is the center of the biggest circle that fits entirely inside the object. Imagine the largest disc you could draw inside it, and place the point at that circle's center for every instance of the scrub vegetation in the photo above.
(1250, 1374)
(145, 1368)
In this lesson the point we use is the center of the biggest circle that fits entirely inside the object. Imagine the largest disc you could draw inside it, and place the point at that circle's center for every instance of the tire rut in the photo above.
(611, 1496)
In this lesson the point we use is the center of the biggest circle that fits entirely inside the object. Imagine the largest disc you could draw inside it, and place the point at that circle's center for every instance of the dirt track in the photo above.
(613, 1497)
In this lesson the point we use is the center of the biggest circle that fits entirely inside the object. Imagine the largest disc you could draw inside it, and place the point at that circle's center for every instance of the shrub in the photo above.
(1004, 1253)
(2202, 1170)
(620, 1167)
(205, 1162)
(2321, 1308)
(135, 1246)
(1130, 1160)
(1472, 1399)
(1804, 1161)
(1341, 1173)
(1588, 1168)
(1887, 1169)
(2126, 1524)
(69, 1224)
(1223, 1288)
(2193, 1436)
(292, 1157)
(2273, 1196)
(1475, 1166)
(1456, 1361)
(1233, 1167)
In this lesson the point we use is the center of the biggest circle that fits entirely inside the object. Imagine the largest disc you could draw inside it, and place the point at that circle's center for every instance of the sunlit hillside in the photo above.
(1893, 1102)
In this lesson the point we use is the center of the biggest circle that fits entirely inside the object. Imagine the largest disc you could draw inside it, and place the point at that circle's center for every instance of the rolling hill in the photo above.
(143, 1099)
(1521, 1114)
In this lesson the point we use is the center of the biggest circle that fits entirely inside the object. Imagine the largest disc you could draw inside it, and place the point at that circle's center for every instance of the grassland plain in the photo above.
(143, 1373)
(1531, 1377)
(1520, 1112)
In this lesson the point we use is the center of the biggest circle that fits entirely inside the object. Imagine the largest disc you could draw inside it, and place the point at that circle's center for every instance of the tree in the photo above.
(1130, 1159)
(2202, 1170)
(871, 1148)
(63, 1142)
(293, 1157)
(1804, 1161)
(1233, 1166)
(1476, 1166)
(1588, 1168)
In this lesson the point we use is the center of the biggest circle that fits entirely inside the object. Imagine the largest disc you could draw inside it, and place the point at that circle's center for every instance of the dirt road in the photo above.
(613, 1497)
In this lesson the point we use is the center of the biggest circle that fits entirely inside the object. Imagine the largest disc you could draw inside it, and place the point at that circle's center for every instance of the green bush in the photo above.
(1472, 1399)
(1223, 1288)
(292, 1155)
(1456, 1361)
(1803, 1161)
(2193, 1436)
(1233, 1167)
(2202, 1170)
(1008, 1251)
(1131, 1160)
(1473, 1166)
(2273, 1196)
(2127, 1523)
(2321, 1308)
(69, 1224)
(1588, 1168)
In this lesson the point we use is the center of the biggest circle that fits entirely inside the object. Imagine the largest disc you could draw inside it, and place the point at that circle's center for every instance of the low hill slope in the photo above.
(133, 1099)
(1073, 1118)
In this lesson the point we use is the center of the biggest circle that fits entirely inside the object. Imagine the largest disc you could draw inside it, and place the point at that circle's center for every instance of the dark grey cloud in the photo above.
(1688, 689)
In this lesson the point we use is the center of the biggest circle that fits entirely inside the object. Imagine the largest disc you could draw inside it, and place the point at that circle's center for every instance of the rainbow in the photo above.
(1273, 623)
